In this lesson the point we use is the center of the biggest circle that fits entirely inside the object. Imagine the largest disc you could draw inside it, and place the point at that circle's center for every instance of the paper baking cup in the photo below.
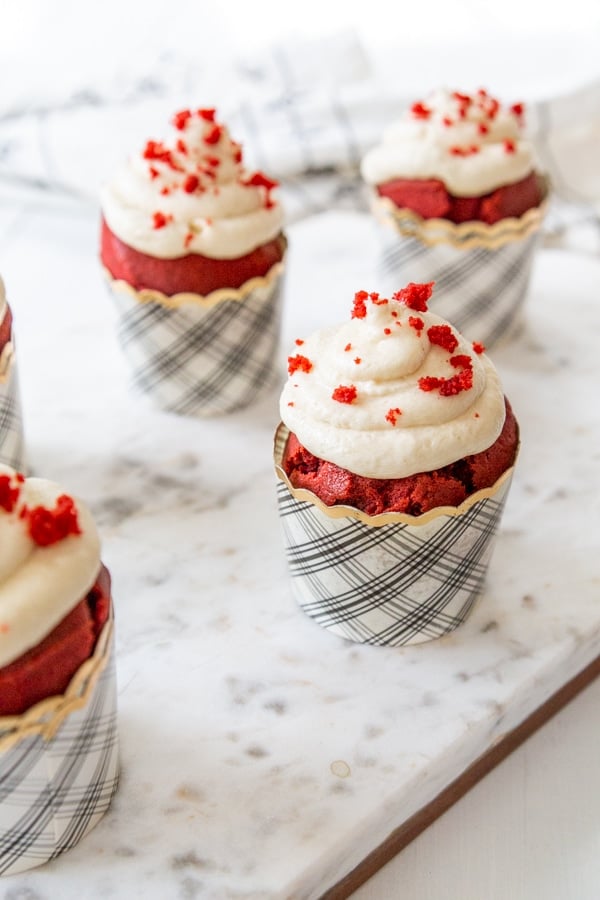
(59, 765)
(390, 579)
(12, 443)
(481, 272)
(198, 355)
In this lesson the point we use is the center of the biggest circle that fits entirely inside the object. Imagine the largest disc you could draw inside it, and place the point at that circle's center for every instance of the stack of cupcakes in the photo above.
(455, 187)
(193, 247)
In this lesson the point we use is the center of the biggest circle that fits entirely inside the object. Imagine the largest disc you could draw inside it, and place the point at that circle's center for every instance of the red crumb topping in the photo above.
(299, 362)
(387, 330)
(154, 173)
(391, 415)
(48, 526)
(213, 161)
(420, 111)
(415, 296)
(159, 219)
(188, 239)
(259, 179)
(207, 114)
(443, 336)
(344, 393)
(447, 121)
(298, 342)
(359, 310)
(191, 183)
(182, 147)
(478, 347)
(416, 323)
(156, 150)
(291, 403)
(8, 494)
(237, 153)
(464, 151)
(482, 128)
(180, 119)
(377, 300)
(449, 387)
(518, 109)
(348, 347)
(509, 146)
(358, 360)
(213, 135)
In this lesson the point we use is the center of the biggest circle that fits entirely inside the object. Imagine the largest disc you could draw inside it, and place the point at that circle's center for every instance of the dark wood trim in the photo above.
(417, 823)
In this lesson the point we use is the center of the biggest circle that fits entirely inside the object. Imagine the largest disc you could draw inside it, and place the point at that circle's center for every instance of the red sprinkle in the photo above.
(207, 114)
(359, 310)
(299, 362)
(180, 119)
(392, 415)
(213, 135)
(344, 394)
(159, 219)
(443, 336)
(191, 183)
(415, 296)
(416, 323)
(8, 494)
(478, 347)
(48, 526)
(509, 146)
(420, 111)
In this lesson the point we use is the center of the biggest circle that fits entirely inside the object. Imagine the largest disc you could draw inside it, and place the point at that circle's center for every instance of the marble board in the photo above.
(262, 757)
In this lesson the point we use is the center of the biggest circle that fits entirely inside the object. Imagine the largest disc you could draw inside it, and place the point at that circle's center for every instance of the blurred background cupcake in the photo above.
(58, 729)
(394, 457)
(12, 445)
(193, 247)
(456, 188)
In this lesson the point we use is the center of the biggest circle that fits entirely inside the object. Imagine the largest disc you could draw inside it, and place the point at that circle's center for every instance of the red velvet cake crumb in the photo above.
(299, 362)
(344, 393)
(413, 495)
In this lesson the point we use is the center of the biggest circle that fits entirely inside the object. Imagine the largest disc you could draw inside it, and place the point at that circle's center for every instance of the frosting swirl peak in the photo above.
(472, 143)
(394, 391)
(192, 194)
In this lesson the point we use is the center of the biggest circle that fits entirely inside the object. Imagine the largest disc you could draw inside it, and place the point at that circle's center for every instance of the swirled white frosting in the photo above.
(191, 194)
(473, 147)
(384, 357)
(39, 586)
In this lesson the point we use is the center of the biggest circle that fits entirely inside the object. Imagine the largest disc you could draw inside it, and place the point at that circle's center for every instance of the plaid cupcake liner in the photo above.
(481, 272)
(202, 356)
(59, 765)
(12, 442)
(392, 579)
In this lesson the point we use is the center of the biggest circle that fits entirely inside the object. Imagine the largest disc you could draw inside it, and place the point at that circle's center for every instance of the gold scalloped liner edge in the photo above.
(389, 518)
(7, 360)
(46, 716)
(174, 301)
(466, 235)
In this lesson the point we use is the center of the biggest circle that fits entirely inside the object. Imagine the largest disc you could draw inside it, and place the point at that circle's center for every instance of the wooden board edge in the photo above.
(409, 830)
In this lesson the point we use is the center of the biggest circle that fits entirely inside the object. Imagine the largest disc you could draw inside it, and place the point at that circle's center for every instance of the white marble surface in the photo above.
(263, 757)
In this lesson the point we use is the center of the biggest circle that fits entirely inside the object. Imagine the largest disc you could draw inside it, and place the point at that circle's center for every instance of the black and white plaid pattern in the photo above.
(12, 444)
(54, 790)
(391, 584)
(198, 360)
(480, 291)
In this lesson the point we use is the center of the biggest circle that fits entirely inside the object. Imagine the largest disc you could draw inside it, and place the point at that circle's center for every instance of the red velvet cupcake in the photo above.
(395, 456)
(192, 243)
(57, 682)
(456, 185)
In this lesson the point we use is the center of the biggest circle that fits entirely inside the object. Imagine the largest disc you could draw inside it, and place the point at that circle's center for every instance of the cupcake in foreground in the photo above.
(395, 456)
(456, 188)
(193, 246)
(58, 730)
(12, 445)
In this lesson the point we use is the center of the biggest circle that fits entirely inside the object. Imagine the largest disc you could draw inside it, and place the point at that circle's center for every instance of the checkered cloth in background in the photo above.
(12, 446)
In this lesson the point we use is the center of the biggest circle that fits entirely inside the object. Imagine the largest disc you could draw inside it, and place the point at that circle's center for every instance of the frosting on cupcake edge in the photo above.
(392, 392)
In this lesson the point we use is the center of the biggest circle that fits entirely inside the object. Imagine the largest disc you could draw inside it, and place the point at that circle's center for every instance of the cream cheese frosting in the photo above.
(472, 143)
(192, 194)
(39, 585)
(392, 392)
